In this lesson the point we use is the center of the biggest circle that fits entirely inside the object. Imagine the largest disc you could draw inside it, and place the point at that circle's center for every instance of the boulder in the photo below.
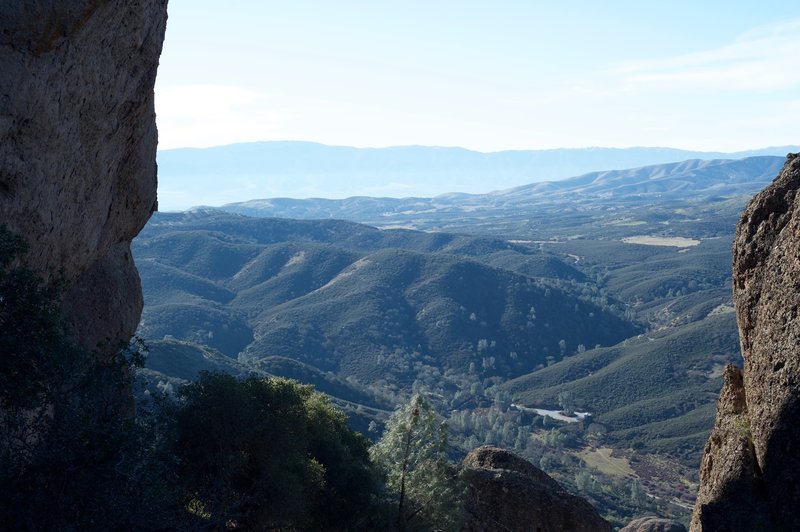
(508, 493)
(653, 524)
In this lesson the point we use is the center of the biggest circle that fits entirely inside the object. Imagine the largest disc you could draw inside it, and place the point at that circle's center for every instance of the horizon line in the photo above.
(433, 146)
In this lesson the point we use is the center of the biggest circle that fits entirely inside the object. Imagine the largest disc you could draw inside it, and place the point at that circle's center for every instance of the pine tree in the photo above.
(425, 485)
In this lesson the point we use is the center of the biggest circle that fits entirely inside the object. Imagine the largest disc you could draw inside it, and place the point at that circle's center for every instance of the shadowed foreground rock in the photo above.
(507, 493)
(653, 524)
(77, 149)
(750, 475)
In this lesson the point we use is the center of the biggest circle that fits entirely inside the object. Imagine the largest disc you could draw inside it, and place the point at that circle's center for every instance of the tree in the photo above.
(412, 452)
(270, 454)
(566, 400)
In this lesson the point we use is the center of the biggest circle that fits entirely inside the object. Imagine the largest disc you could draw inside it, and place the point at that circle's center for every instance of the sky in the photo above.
(488, 76)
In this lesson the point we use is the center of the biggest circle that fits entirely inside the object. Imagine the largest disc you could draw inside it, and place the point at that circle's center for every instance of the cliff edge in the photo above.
(78, 149)
(748, 477)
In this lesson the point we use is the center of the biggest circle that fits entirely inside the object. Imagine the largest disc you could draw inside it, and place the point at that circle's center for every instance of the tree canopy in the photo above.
(270, 453)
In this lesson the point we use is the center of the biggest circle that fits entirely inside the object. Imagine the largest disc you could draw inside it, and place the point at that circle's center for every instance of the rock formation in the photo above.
(653, 524)
(77, 149)
(507, 493)
(749, 475)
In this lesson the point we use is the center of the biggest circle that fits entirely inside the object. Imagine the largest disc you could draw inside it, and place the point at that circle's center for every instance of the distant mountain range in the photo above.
(213, 176)
(695, 193)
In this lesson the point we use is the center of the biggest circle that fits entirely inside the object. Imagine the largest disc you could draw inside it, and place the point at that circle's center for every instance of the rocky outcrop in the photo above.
(77, 149)
(508, 493)
(653, 524)
(748, 478)
(731, 489)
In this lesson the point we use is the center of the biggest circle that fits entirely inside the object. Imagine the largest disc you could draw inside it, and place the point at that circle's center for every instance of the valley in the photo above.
(607, 293)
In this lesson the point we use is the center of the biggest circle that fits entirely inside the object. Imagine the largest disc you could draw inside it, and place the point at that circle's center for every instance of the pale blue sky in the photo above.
(707, 75)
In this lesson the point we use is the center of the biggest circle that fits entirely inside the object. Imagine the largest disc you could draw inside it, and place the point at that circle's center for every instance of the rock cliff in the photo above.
(507, 493)
(749, 475)
(77, 149)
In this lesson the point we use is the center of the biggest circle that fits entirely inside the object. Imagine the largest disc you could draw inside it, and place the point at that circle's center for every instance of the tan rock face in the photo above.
(730, 480)
(508, 493)
(77, 148)
(749, 477)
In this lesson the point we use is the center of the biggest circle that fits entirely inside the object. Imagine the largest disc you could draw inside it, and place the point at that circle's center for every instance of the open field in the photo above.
(601, 460)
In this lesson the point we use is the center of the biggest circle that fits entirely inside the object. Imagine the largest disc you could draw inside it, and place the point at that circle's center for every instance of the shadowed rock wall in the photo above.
(78, 149)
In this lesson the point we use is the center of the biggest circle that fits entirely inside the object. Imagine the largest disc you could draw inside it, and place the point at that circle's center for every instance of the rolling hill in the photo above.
(360, 302)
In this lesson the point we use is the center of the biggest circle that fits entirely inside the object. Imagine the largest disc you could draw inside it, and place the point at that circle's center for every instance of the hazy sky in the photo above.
(708, 75)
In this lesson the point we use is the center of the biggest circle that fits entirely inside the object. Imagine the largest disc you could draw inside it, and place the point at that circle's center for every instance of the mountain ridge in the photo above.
(684, 192)
(238, 172)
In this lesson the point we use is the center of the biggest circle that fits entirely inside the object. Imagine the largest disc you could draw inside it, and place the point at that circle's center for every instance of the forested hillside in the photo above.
(377, 306)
